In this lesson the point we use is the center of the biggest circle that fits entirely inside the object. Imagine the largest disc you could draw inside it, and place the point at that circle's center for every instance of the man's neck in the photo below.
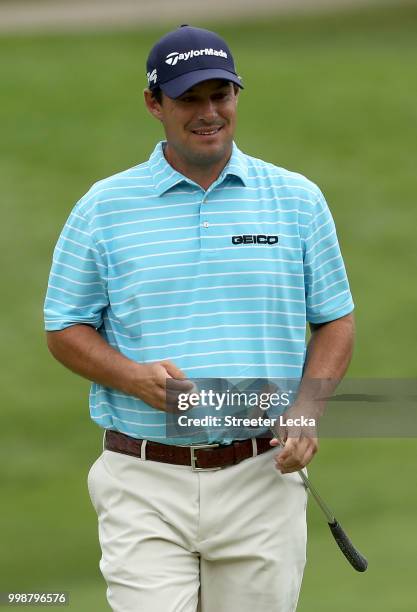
(202, 175)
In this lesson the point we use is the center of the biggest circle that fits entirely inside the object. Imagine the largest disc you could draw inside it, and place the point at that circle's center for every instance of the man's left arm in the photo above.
(328, 356)
(329, 311)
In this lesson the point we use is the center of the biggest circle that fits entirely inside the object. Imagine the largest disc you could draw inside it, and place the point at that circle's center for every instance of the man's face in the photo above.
(199, 125)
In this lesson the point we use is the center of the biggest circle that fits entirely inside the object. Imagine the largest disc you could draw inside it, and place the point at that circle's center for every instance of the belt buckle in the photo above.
(194, 458)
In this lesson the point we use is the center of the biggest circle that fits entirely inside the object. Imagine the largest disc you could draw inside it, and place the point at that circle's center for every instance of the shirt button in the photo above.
(205, 224)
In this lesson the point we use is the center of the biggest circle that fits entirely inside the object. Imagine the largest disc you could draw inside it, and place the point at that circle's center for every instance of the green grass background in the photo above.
(333, 97)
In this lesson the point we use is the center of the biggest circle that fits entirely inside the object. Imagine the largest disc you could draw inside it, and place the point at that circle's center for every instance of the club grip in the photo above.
(354, 557)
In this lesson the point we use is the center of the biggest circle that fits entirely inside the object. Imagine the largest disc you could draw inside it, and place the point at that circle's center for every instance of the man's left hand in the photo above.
(300, 444)
(296, 454)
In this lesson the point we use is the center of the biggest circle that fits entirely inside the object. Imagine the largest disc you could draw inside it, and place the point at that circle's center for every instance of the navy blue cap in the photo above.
(187, 56)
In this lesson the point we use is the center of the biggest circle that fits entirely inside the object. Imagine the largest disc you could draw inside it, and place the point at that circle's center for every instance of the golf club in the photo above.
(355, 558)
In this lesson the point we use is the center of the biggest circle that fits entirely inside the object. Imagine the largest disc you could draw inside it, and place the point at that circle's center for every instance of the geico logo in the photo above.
(254, 239)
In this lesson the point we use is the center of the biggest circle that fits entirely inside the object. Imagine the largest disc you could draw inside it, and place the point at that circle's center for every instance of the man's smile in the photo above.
(207, 132)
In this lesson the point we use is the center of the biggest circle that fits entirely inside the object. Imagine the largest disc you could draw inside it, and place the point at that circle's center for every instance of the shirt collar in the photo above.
(165, 177)
(237, 166)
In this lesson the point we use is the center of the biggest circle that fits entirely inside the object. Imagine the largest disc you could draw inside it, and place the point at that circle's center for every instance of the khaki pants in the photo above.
(175, 540)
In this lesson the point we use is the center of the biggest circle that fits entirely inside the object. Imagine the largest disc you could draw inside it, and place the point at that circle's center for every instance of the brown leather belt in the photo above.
(198, 457)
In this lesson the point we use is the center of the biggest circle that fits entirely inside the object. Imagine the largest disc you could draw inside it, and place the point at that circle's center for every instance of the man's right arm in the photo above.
(81, 349)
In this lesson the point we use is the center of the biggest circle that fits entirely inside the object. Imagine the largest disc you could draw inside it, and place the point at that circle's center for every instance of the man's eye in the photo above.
(221, 96)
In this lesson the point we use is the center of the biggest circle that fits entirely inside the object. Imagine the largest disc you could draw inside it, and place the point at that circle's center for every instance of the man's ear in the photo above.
(237, 92)
(152, 105)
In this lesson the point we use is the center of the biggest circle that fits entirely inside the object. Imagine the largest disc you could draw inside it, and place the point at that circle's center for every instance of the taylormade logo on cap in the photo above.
(152, 76)
(175, 57)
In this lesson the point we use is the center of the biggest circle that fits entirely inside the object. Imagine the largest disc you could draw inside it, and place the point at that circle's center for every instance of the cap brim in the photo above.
(176, 87)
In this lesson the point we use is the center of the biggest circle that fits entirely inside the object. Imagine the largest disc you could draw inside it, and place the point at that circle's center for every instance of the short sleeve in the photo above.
(77, 287)
(327, 291)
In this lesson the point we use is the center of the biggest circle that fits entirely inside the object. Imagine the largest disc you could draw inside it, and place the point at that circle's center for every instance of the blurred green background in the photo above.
(331, 96)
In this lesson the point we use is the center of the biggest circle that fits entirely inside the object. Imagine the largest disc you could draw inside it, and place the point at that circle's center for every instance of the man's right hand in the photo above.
(159, 384)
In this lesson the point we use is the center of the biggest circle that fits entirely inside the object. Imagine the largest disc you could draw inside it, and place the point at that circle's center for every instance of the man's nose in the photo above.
(207, 110)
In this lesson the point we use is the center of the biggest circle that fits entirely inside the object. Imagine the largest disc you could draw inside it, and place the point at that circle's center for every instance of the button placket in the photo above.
(206, 230)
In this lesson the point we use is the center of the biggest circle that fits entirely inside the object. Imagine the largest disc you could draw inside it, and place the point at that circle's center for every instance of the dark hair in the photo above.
(157, 94)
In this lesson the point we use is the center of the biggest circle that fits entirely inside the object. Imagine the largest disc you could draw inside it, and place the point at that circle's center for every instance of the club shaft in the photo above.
(325, 508)
(310, 487)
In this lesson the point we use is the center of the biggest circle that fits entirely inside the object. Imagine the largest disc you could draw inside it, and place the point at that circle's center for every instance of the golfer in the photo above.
(200, 263)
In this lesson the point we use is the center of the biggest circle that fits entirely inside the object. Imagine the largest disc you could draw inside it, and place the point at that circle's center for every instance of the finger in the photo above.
(292, 464)
(179, 385)
(309, 454)
(289, 450)
(174, 387)
(173, 370)
(275, 442)
(292, 454)
(301, 454)
(184, 392)
(290, 469)
(289, 466)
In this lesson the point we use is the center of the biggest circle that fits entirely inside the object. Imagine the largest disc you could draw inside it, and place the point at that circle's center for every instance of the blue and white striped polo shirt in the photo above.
(163, 270)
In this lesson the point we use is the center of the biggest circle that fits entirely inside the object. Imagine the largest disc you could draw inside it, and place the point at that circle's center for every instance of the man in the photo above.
(200, 262)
